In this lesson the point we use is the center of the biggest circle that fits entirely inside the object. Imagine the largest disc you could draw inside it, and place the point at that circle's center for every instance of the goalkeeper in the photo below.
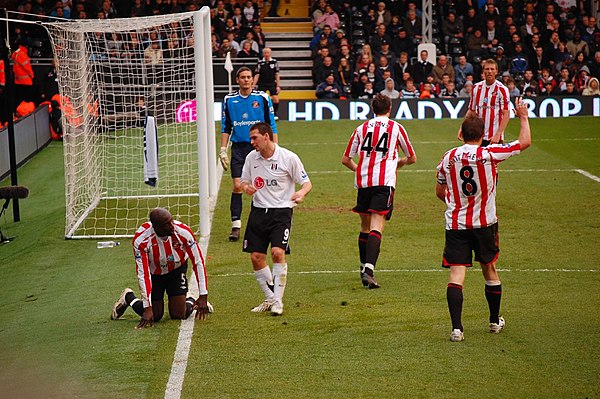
(241, 110)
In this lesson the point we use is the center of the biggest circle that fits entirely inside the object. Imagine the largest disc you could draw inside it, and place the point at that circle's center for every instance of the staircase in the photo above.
(289, 38)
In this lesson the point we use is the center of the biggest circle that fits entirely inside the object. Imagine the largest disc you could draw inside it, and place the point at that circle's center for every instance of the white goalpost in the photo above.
(114, 74)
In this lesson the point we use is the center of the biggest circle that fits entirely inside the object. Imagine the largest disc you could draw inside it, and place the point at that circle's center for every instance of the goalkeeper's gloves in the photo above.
(224, 158)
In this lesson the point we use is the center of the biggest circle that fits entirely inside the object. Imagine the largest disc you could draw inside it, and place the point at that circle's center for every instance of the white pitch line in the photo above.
(186, 329)
(322, 172)
(440, 142)
(440, 269)
(572, 139)
(587, 174)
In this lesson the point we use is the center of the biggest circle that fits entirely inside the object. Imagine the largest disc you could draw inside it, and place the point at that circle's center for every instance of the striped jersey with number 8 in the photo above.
(376, 142)
(470, 173)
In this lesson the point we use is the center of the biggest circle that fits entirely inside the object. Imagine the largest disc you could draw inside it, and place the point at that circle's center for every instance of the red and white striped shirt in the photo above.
(470, 173)
(161, 255)
(377, 142)
(489, 102)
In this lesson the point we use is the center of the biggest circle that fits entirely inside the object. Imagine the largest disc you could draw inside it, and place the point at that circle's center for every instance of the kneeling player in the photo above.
(162, 249)
(270, 175)
(466, 182)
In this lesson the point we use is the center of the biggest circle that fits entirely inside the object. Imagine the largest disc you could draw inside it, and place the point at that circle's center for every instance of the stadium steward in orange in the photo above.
(22, 67)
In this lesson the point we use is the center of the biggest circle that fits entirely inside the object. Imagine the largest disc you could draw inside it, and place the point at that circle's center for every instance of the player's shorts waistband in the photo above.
(258, 209)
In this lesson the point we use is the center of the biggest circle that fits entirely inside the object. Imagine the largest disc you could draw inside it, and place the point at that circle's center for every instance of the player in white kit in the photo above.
(270, 175)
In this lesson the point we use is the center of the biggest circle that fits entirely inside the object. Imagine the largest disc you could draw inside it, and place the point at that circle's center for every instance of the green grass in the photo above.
(335, 339)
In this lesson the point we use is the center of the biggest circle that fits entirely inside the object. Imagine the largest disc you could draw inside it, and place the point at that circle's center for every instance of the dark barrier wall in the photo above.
(539, 107)
(32, 133)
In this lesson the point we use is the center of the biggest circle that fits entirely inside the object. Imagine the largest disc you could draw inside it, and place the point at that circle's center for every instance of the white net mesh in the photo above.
(111, 74)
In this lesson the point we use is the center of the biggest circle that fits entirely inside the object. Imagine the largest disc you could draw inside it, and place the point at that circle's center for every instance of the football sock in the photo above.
(137, 305)
(236, 206)
(275, 108)
(454, 296)
(372, 247)
(189, 304)
(493, 294)
(280, 279)
(362, 246)
(265, 281)
(129, 297)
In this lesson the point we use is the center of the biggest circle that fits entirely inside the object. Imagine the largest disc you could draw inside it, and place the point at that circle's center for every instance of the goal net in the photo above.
(114, 74)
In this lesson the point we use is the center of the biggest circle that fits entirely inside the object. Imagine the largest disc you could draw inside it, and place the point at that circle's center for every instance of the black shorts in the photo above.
(268, 87)
(239, 152)
(174, 282)
(378, 199)
(460, 245)
(268, 226)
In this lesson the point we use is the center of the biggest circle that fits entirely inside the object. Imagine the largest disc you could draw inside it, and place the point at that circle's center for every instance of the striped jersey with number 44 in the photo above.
(376, 142)
(470, 173)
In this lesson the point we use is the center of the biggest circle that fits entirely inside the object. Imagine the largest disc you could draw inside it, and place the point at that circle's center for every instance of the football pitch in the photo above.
(335, 339)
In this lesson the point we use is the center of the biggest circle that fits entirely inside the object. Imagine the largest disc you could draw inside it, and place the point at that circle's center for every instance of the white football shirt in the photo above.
(275, 178)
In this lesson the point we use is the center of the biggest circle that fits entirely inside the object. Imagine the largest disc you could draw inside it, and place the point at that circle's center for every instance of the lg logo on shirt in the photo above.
(259, 183)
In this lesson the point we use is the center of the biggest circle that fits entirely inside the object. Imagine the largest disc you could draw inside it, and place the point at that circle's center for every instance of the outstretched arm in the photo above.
(524, 131)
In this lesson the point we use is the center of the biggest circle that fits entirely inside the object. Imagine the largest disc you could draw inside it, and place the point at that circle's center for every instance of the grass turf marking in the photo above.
(186, 330)
(587, 174)
(440, 270)
(323, 172)
(442, 142)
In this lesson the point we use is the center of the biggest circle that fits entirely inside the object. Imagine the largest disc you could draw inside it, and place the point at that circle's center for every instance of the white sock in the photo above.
(280, 279)
(265, 280)
(236, 224)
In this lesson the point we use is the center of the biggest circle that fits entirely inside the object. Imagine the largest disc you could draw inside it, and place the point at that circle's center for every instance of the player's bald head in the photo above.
(162, 222)
(159, 216)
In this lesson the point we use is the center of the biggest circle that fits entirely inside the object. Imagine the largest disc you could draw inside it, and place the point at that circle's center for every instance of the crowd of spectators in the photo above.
(232, 23)
(542, 47)
(235, 28)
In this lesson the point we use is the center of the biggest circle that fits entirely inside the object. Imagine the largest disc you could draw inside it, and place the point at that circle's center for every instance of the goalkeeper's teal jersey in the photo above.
(240, 113)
